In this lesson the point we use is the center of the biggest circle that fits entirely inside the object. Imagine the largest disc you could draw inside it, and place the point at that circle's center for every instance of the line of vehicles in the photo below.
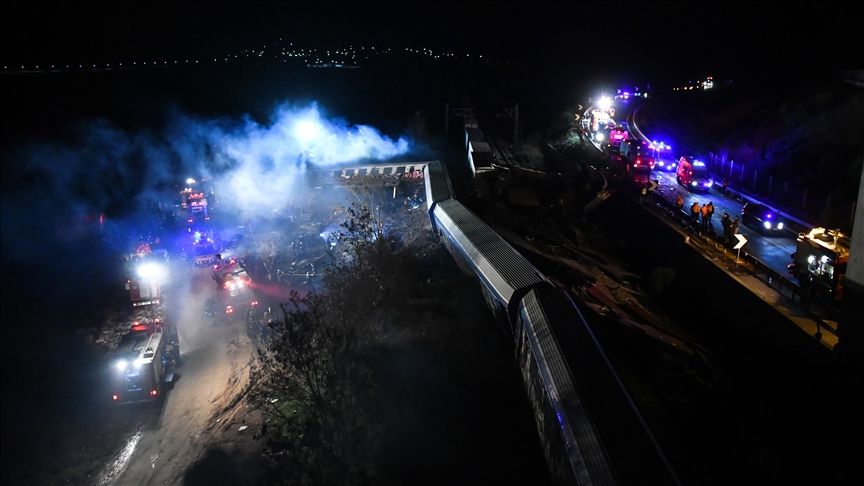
(819, 262)
(149, 352)
(591, 431)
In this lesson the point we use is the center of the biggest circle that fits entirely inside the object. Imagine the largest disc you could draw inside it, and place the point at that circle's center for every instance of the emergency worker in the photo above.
(704, 215)
(694, 214)
(710, 212)
(679, 203)
(727, 226)
(734, 227)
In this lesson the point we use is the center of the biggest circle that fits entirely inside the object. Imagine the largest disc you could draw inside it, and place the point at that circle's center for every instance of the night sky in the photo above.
(561, 44)
(663, 41)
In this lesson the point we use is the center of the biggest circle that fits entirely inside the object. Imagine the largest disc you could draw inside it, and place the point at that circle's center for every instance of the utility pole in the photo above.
(454, 113)
(514, 114)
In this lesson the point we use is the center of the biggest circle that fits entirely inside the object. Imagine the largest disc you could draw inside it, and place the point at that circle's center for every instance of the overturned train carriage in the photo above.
(590, 430)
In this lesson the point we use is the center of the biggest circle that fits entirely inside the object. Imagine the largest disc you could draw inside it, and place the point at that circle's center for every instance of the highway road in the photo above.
(772, 250)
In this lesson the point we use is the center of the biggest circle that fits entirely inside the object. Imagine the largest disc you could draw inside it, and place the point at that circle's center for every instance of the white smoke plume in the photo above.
(101, 168)
(256, 166)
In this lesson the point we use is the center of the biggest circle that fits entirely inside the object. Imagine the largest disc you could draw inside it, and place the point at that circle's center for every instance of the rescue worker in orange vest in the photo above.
(679, 203)
(705, 216)
(694, 214)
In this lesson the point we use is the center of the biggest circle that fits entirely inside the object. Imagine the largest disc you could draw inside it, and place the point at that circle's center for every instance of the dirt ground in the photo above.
(204, 413)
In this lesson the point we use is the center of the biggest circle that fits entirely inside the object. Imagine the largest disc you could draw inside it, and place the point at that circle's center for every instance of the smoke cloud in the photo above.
(103, 169)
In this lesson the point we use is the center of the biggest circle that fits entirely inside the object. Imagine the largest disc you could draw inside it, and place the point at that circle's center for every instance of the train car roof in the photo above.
(498, 263)
(438, 186)
(597, 393)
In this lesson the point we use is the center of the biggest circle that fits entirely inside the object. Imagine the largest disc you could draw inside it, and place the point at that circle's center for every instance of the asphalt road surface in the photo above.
(774, 251)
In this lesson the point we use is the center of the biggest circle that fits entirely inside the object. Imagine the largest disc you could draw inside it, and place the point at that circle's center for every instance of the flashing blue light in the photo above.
(697, 163)
(768, 215)
(197, 236)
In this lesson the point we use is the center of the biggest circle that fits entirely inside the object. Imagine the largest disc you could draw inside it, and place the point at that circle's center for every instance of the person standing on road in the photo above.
(694, 214)
(725, 186)
(679, 203)
(734, 227)
(710, 212)
(705, 215)
(727, 226)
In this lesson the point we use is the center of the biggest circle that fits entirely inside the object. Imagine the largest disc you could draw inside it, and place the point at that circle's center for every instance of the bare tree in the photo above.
(316, 389)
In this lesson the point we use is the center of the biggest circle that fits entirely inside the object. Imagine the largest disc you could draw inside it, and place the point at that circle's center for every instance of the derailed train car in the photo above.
(590, 429)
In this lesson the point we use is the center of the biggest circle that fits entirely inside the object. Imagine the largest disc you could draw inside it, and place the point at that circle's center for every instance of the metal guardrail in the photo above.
(753, 265)
(807, 300)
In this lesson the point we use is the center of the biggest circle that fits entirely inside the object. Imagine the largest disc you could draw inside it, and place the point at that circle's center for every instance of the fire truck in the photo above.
(641, 159)
(820, 261)
(233, 284)
(144, 362)
(145, 276)
(196, 206)
(616, 136)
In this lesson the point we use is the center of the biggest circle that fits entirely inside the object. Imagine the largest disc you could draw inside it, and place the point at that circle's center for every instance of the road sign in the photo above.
(653, 186)
(741, 242)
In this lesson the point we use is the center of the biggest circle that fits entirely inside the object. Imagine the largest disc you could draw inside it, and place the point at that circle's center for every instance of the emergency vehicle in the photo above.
(641, 160)
(233, 284)
(144, 362)
(206, 245)
(196, 207)
(820, 261)
(663, 157)
(616, 136)
(145, 276)
(693, 174)
(639, 152)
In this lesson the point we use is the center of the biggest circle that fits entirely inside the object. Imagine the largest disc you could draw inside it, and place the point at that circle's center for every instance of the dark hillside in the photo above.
(805, 140)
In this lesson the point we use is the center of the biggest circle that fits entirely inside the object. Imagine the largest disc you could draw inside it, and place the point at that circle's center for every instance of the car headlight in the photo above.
(767, 224)
(710, 183)
(693, 183)
(122, 364)
(779, 225)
